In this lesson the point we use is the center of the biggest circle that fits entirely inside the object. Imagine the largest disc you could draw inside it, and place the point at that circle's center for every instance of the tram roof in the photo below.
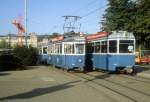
(121, 35)
(111, 35)
(75, 38)
(99, 35)
(66, 38)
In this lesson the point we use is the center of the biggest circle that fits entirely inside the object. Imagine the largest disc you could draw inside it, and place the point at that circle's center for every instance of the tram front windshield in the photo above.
(79, 48)
(126, 46)
(45, 50)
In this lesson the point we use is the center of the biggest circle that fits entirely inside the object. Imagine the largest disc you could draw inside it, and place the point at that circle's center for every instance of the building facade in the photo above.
(12, 39)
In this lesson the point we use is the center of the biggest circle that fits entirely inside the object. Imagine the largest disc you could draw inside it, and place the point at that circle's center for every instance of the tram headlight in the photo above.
(115, 64)
(57, 60)
(80, 60)
(73, 64)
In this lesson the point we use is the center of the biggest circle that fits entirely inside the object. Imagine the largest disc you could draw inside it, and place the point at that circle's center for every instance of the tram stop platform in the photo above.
(143, 71)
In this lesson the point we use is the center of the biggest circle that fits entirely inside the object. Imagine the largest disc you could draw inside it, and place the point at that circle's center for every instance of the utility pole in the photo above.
(71, 24)
(26, 28)
(9, 40)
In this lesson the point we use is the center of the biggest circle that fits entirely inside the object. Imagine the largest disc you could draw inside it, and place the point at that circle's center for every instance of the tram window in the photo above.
(112, 46)
(89, 48)
(69, 49)
(97, 47)
(65, 48)
(72, 49)
(52, 48)
(79, 48)
(126, 46)
(60, 48)
(45, 50)
(104, 47)
(55, 50)
(49, 49)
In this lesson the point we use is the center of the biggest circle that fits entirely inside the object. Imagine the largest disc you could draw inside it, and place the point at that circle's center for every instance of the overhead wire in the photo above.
(93, 11)
(84, 7)
(80, 9)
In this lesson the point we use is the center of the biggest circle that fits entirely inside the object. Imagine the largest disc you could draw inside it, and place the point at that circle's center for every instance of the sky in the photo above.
(45, 16)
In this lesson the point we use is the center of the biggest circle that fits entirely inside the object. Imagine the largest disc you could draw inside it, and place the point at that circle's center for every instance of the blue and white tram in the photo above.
(113, 51)
(68, 53)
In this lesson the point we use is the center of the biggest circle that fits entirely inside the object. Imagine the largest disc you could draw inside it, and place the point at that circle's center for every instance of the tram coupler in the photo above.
(128, 70)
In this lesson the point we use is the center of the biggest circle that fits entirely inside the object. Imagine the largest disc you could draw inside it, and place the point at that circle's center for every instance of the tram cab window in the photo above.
(112, 46)
(45, 50)
(104, 47)
(79, 48)
(126, 46)
(97, 47)
(40, 51)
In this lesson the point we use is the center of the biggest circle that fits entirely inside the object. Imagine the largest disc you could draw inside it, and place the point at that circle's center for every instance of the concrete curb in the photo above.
(144, 75)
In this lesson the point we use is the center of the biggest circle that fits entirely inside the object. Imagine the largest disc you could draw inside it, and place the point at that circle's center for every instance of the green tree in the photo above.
(129, 15)
(142, 24)
(116, 16)
(3, 44)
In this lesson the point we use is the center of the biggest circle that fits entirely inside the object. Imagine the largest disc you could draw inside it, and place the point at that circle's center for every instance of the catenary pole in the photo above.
(26, 29)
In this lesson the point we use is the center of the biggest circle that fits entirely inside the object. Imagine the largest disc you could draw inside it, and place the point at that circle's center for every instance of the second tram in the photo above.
(113, 51)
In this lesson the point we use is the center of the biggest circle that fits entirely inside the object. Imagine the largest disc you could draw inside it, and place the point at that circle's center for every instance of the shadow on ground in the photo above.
(4, 74)
(40, 91)
(139, 68)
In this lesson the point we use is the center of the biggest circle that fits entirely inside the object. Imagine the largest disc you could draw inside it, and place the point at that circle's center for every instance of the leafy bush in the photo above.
(9, 62)
(28, 56)
(20, 57)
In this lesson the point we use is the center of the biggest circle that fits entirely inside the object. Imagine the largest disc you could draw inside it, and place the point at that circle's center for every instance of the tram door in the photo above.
(89, 56)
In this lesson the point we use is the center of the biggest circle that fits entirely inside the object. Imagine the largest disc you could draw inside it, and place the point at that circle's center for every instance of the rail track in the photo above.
(144, 80)
(103, 81)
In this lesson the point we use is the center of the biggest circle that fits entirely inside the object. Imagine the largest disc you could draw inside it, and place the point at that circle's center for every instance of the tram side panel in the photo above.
(58, 60)
(116, 62)
(74, 61)
(44, 58)
(113, 62)
(100, 61)
(49, 59)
